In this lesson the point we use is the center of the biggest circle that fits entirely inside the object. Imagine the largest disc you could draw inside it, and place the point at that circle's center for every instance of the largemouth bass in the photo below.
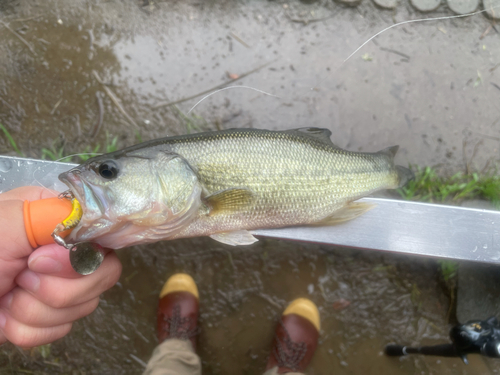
(222, 184)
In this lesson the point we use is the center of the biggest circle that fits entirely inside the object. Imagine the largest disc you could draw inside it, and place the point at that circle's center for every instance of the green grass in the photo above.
(429, 186)
(192, 122)
(110, 146)
(449, 269)
(449, 272)
(58, 154)
(54, 153)
(11, 140)
(89, 152)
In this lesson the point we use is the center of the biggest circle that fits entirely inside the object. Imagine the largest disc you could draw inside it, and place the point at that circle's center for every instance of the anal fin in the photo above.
(349, 212)
(235, 238)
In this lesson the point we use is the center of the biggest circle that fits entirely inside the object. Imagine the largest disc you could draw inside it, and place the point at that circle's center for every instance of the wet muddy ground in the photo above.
(428, 87)
(243, 292)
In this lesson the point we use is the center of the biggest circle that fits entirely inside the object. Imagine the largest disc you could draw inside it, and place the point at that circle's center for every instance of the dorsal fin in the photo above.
(389, 151)
(320, 134)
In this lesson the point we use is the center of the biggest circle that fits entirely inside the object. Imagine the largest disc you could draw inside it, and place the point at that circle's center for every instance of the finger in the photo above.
(26, 337)
(31, 193)
(14, 240)
(52, 260)
(14, 245)
(28, 310)
(60, 292)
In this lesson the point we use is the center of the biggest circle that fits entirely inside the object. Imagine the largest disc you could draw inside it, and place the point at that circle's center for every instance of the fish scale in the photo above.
(296, 179)
(247, 179)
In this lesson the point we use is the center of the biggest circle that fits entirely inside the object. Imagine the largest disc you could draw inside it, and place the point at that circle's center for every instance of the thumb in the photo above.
(52, 260)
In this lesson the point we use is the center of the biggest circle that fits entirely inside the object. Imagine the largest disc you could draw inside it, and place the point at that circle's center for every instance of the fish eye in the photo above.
(108, 170)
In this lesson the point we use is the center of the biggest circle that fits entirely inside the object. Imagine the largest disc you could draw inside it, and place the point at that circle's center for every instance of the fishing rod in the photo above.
(474, 337)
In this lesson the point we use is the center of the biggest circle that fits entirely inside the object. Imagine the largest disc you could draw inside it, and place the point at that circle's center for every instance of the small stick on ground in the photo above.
(239, 39)
(138, 360)
(26, 19)
(98, 124)
(466, 161)
(395, 52)
(306, 21)
(270, 300)
(19, 37)
(488, 29)
(7, 104)
(213, 88)
(495, 85)
(114, 99)
(78, 127)
(55, 107)
(475, 150)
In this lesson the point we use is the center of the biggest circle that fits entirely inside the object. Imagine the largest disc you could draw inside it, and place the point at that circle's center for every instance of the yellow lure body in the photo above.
(75, 216)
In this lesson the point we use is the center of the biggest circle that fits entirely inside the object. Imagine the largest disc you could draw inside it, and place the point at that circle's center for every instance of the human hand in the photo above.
(40, 293)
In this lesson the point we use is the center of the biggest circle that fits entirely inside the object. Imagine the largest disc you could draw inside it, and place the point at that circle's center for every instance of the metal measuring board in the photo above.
(393, 225)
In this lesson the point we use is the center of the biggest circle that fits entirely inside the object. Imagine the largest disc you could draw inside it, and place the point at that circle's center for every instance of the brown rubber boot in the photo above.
(178, 309)
(296, 337)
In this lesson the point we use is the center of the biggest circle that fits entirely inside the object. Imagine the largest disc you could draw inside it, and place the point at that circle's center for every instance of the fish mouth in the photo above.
(83, 192)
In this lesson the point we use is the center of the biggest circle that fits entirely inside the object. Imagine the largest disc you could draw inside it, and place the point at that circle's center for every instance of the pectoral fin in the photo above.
(229, 200)
(349, 212)
(235, 238)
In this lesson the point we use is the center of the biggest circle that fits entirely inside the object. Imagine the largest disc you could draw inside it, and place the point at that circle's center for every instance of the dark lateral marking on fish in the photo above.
(98, 124)
(495, 85)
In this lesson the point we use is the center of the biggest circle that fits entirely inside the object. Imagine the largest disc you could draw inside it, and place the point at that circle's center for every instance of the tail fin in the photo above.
(404, 175)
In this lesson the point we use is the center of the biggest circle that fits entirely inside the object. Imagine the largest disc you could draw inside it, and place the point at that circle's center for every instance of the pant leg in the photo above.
(174, 357)
(274, 371)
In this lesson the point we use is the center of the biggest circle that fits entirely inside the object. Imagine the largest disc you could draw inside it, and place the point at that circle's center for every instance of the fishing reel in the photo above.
(477, 336)
(474, 337)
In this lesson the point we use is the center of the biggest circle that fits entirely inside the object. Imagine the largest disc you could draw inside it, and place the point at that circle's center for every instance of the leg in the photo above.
(174, 357)
(295, 339)
(177, 329)
(274, 371)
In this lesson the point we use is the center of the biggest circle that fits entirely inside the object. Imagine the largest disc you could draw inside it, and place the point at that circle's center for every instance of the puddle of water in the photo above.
(243, 292)
(427, 103)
